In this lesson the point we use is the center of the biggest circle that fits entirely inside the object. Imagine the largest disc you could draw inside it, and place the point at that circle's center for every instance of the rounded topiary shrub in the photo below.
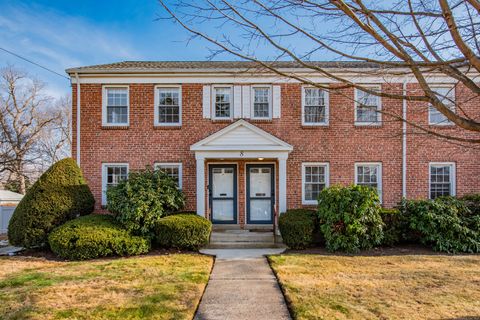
(447, 224)
(95, 236)
(183, 231)
(59, 195)
(298, 227)
(350, 218)
(140, 201)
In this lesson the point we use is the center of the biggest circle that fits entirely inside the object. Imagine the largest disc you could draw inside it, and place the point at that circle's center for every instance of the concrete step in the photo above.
(243, 245)
(241, 236)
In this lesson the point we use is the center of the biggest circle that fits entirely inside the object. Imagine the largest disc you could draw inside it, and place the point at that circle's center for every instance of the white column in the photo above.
(282, 184)
(201, 186)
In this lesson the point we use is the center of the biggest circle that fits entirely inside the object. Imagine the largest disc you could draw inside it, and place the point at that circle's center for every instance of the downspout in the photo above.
(404, 141)
(78, 118)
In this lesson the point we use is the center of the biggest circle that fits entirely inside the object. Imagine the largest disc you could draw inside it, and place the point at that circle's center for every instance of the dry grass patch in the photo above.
(149, 287)
(380, 287)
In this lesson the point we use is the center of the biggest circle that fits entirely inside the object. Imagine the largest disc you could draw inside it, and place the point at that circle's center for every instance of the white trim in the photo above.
(277, 144)
(447, 122)
(404, 142)
(104, 106)
(379, 107)
(78, 118)
(252, 102)
(379, 176)
(453, 176)
(104, 177)
(327, 109)
(213, 98)
(327, 179)
(200, 179)
(156, 102)
(179, 165)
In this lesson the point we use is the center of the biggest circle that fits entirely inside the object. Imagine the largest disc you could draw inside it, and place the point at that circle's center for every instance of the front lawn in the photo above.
(147, 287)
(380, 287)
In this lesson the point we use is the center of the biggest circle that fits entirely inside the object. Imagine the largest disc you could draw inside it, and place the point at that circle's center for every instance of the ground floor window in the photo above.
(369, 174)
(112, 174)
(315, 177)
(174, 170)
(442, 180)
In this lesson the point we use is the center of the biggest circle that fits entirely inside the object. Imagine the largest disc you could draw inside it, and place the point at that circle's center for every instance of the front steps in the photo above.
(244, 239)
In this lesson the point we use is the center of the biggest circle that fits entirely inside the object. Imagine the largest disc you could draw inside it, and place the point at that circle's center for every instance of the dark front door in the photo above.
(223, 193)
(260, 193)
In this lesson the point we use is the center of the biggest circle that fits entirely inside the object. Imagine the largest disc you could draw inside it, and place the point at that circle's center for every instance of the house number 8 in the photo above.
(241, 153)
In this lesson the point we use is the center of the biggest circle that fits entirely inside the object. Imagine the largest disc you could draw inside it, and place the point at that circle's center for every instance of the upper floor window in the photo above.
(173, 170)
(370, 175)
(115, 106)
(222, 98)
(446, 94)
(314, 106)
(315, 177)
(442, 179)
(168, 106)
(112, 174)
(261, 102)
(367, 107)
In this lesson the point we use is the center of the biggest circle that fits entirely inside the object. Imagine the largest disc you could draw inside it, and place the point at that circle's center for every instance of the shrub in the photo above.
(298, 227)
(472, 201)
(140, 201)
(350, 218)
(446, 223)
(395, 227)
(183, 231)
(95, 236)
(59, 195)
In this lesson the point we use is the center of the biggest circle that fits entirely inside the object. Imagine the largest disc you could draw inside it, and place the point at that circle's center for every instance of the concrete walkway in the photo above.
(242, 286)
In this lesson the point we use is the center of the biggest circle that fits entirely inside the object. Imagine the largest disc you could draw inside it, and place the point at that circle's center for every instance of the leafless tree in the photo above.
(25, 116)
(411, 39)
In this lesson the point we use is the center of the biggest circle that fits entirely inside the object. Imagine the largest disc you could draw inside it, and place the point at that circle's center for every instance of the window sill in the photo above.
(441, 125)
(315, 125)
(368, 124)
(110, 127)
(168, 127)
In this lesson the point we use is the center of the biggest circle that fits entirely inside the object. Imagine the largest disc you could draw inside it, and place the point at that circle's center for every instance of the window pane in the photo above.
(367, 175)
(172, 171)
(115, 174)
(261, 102)
(222, 102)
(314, 106)
(367, 107)
(440, 184)
(447, 96)
(315, 181)
(117, 105)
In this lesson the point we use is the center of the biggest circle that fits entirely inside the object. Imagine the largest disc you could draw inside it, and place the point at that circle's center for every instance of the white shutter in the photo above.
(237, 102)
(206, 101)
(246, 101)
(276, 101)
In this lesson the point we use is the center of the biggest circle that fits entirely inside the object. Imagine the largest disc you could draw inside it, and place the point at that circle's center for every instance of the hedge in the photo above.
(59, 195)
(298, 228)
(183, 231)
(95, 236)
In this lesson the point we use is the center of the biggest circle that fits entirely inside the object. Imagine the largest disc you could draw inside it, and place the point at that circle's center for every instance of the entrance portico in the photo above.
(260, 157)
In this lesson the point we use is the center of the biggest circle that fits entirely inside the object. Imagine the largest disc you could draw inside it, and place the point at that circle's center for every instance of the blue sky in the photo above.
(61, 33)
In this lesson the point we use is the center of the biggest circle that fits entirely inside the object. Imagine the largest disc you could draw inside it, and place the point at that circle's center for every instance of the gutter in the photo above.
(404, 141)
(78, 118)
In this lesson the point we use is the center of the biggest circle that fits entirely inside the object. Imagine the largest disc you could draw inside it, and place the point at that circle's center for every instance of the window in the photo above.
(168, 104)
(446, 94)
(314, 106)
(174, 170)
(115, 106)
(315, 177)
(261, 102)
(442, 179)
(369, 174)
(222, 98)
(367, 107)
(112, 174)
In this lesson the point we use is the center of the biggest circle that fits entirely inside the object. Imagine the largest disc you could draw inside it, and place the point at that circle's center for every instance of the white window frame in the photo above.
(104, 106)
(157, 101)
(252, 101)
(104, 177)
(453, 176)
(327, 108)
(327, 179)
(158, 165)
(379, 107)
(213, 113)
(379, 176)
(452, 92)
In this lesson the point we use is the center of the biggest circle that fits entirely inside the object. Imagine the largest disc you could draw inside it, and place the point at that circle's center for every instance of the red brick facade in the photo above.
(341, 143)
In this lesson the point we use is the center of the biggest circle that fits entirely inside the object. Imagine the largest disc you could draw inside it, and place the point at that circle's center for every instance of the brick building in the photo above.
(244, 143)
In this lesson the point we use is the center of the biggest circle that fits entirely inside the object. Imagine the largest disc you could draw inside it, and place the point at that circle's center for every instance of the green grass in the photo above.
(148, 287)
(380, 287)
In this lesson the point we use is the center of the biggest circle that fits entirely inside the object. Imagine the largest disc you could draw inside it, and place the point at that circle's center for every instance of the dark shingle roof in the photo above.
(208, 66)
